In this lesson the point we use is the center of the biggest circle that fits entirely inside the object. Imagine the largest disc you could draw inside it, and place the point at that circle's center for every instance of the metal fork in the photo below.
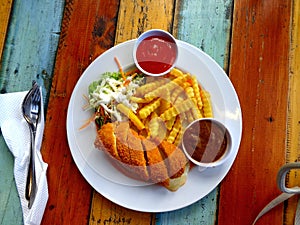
(31, 110)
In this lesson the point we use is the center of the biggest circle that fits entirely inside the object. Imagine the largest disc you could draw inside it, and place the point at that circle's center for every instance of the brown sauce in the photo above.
(205, 141)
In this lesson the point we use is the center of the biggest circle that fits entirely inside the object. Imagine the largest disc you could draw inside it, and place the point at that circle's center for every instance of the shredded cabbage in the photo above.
(110, 89)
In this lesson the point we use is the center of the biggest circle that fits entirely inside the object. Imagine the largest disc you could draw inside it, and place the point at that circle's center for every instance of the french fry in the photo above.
(174, 131)
(148, 109)
(140, 100)
(179, 99)
(179, 137)
(184, 106)
(146, 88)
(189, 116)
(168, 86)
(176, 72)
(164, 102)
(130, 115)
(190, 92)
(177, 109)
(176, 92)
(207, 107)
(197, 91)
(157, 128)
(170, 123)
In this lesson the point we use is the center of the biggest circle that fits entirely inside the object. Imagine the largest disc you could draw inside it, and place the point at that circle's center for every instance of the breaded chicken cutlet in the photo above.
(141, 158)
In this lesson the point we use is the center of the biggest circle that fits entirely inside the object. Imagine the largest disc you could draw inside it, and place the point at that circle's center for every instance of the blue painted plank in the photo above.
(207, 25)
(29, 53)
(202, 212)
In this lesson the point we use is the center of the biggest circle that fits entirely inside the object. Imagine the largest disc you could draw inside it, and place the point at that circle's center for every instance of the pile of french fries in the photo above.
(167, 105)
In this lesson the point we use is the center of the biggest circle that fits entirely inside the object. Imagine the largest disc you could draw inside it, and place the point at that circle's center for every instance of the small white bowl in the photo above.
(160, 50)
(210, 147)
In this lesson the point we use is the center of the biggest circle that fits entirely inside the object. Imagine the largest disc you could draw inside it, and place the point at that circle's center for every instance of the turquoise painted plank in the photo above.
(207, 25)
(9, 210)
(200, 213)
(29, 53)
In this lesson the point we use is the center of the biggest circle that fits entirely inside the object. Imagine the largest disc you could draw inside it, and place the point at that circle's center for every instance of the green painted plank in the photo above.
(9, 210)
(202, 212)
(207, 25)
(29, 53)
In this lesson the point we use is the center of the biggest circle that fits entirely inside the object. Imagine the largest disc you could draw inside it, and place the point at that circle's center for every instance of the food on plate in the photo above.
(206, 141)
(156, 53)
(140, 122)
(142, 158)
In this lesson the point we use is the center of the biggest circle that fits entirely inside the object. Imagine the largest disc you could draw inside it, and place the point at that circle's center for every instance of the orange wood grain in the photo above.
(135, 17)
(293, 135)
(87, 30)
(5, 9)
(259, 65)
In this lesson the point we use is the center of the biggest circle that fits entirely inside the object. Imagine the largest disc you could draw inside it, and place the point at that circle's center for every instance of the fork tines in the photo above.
(35, 101)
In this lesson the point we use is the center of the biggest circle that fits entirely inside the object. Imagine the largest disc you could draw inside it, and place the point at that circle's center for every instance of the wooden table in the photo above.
(257, 44)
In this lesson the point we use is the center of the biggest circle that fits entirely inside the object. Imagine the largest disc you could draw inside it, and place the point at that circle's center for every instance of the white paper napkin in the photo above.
(16, 133)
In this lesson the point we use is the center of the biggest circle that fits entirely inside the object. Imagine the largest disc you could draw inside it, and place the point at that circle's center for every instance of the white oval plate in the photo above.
(115, 186)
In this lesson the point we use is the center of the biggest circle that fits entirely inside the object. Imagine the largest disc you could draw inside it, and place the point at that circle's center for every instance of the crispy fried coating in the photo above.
(156, 165)
(175, 159)
(141, 158)
(130, 150)
(106, 140)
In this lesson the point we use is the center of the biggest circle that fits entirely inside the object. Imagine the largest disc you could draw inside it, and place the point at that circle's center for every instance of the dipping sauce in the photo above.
(205, 141)
(156, 54)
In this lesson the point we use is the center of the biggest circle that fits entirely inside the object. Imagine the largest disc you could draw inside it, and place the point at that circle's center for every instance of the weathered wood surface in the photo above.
(259, 70)
(206, 26)
(87, 30)
(190, 18)
(134, 17)
(28, 53)
(5, 8)
(293, 135)
(137, 16)
(258, 65)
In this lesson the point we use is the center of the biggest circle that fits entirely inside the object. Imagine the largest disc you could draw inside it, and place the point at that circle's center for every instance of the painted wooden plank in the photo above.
(203, 212)
(88, 29)
(106, 212)
(5, 8)
(206, 26)
(24, 57)
(259, 71)
(10, 208)
(28, 54)
(135, 17)
(293, 135)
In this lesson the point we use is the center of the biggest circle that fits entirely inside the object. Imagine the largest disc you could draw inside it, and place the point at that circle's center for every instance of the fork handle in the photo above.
(31, 188)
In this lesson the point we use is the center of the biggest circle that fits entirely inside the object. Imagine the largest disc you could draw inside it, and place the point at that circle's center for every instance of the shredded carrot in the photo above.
(86, 98)
(87, 122)
(130, 72)
(120, 68)
(134, 75)
(127, 81)
(87, 105)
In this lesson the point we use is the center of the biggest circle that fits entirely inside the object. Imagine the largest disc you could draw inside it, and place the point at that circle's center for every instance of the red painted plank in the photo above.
(87, 30)
(259, 71)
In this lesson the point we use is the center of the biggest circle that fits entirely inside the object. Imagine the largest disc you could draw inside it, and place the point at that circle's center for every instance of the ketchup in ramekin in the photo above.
(155, 52)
